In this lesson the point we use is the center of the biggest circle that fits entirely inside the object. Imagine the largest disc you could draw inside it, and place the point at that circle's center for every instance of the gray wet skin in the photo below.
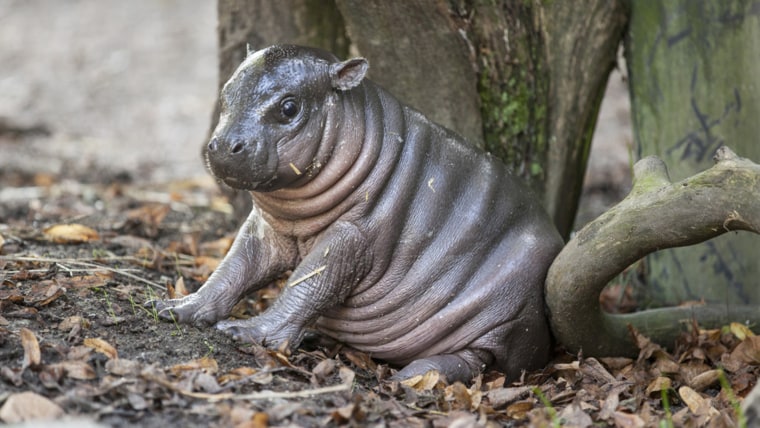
(405, 241)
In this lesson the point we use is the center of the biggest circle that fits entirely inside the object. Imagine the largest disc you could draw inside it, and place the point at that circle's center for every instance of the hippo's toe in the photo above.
(461, 366)
(189, 309)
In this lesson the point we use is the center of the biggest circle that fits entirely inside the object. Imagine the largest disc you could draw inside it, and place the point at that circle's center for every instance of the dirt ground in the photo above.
(104, 105)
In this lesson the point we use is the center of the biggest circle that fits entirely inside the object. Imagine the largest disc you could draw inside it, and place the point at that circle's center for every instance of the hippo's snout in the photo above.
(229, 147)
(242, 163)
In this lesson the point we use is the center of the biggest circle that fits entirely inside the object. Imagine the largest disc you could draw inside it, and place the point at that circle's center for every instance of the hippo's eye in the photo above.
(289, 108)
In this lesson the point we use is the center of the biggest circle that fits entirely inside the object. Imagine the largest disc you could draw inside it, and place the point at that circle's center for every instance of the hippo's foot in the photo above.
(462, 366)
(192, 309)
(262, 331)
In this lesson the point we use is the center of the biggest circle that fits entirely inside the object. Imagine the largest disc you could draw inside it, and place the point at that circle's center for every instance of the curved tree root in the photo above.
(656, 214)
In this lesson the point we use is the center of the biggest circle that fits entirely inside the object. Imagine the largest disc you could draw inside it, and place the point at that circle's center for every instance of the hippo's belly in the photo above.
(451, 274)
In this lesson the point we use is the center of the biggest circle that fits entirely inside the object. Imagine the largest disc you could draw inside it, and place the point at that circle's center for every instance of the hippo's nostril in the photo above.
(213, 144)
(237, 148)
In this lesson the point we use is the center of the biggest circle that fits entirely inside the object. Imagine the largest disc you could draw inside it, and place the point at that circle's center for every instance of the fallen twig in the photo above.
(91, 266)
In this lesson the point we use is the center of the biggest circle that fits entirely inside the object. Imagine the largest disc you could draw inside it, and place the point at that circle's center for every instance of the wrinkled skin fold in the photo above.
(405, 241)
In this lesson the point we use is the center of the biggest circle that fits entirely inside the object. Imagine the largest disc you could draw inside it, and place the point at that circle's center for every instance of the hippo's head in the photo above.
(274, 111)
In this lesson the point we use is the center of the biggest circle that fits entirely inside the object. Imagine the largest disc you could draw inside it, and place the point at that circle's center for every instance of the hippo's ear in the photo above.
(348, 74)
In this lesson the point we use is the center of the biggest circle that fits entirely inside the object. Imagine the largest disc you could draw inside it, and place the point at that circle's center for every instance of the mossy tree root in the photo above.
(656, 214)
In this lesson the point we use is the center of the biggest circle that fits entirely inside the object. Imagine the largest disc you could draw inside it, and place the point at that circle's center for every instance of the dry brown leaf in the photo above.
(324, 369)
(179, 288)
(425, 382)
(704, 380)
(208, 262)
(216, 249)
(262, 378)
(249, 374)
(345, 414)
(204, 266)
(281, 355)
(206, 382)
(188, 245)
(237, 374)
(70, 233)
(100, 345)
(27, 406)
(51, 376)
(664, 365)
(123, 367)
(136, 401)
(150, 214)
(79, 352)
(221, 204)
(98, 279)
(462, 398)
(627, 420)
(259, 420)
(207, 364)
(611, 402)
(647, 348)
(43, 179)
(520, 409)
(574, 416)
(32, 355)
(496, 383)
(346, 375)
(594, 369)
(170, 293)
(501, 396)
(70, 322)
(44, 292)
(616, 363)
(748, 351)
(696, 403)
(77, 369)
(12, 376)
(573, 366)
(659, 384)
(360, 359)
(134, 243)
(741, 331)
(2, 242)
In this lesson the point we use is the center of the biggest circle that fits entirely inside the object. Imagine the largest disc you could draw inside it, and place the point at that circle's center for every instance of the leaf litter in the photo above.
(76, 341)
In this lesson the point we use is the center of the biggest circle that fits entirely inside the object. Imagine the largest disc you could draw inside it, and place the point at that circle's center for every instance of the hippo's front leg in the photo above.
(334, 266)
(257, 257)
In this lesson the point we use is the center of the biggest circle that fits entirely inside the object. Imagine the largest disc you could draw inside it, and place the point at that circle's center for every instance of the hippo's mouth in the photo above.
(237, 183)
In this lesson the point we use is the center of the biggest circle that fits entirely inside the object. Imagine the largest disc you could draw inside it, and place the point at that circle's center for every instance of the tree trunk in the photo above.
(525, 79)
(582, 39)
(694, 68)
(415, 51)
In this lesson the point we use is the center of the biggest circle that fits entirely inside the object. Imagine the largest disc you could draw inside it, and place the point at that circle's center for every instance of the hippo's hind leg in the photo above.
(460, 366)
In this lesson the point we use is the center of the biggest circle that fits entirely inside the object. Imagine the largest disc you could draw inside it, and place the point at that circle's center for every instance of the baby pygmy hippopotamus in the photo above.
(404, 241)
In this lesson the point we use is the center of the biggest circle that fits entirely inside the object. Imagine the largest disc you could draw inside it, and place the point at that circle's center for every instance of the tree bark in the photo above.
(416, 51)
(581, 50)
(261, 23)
(543, 68)
(656, 214)
(694, 68)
